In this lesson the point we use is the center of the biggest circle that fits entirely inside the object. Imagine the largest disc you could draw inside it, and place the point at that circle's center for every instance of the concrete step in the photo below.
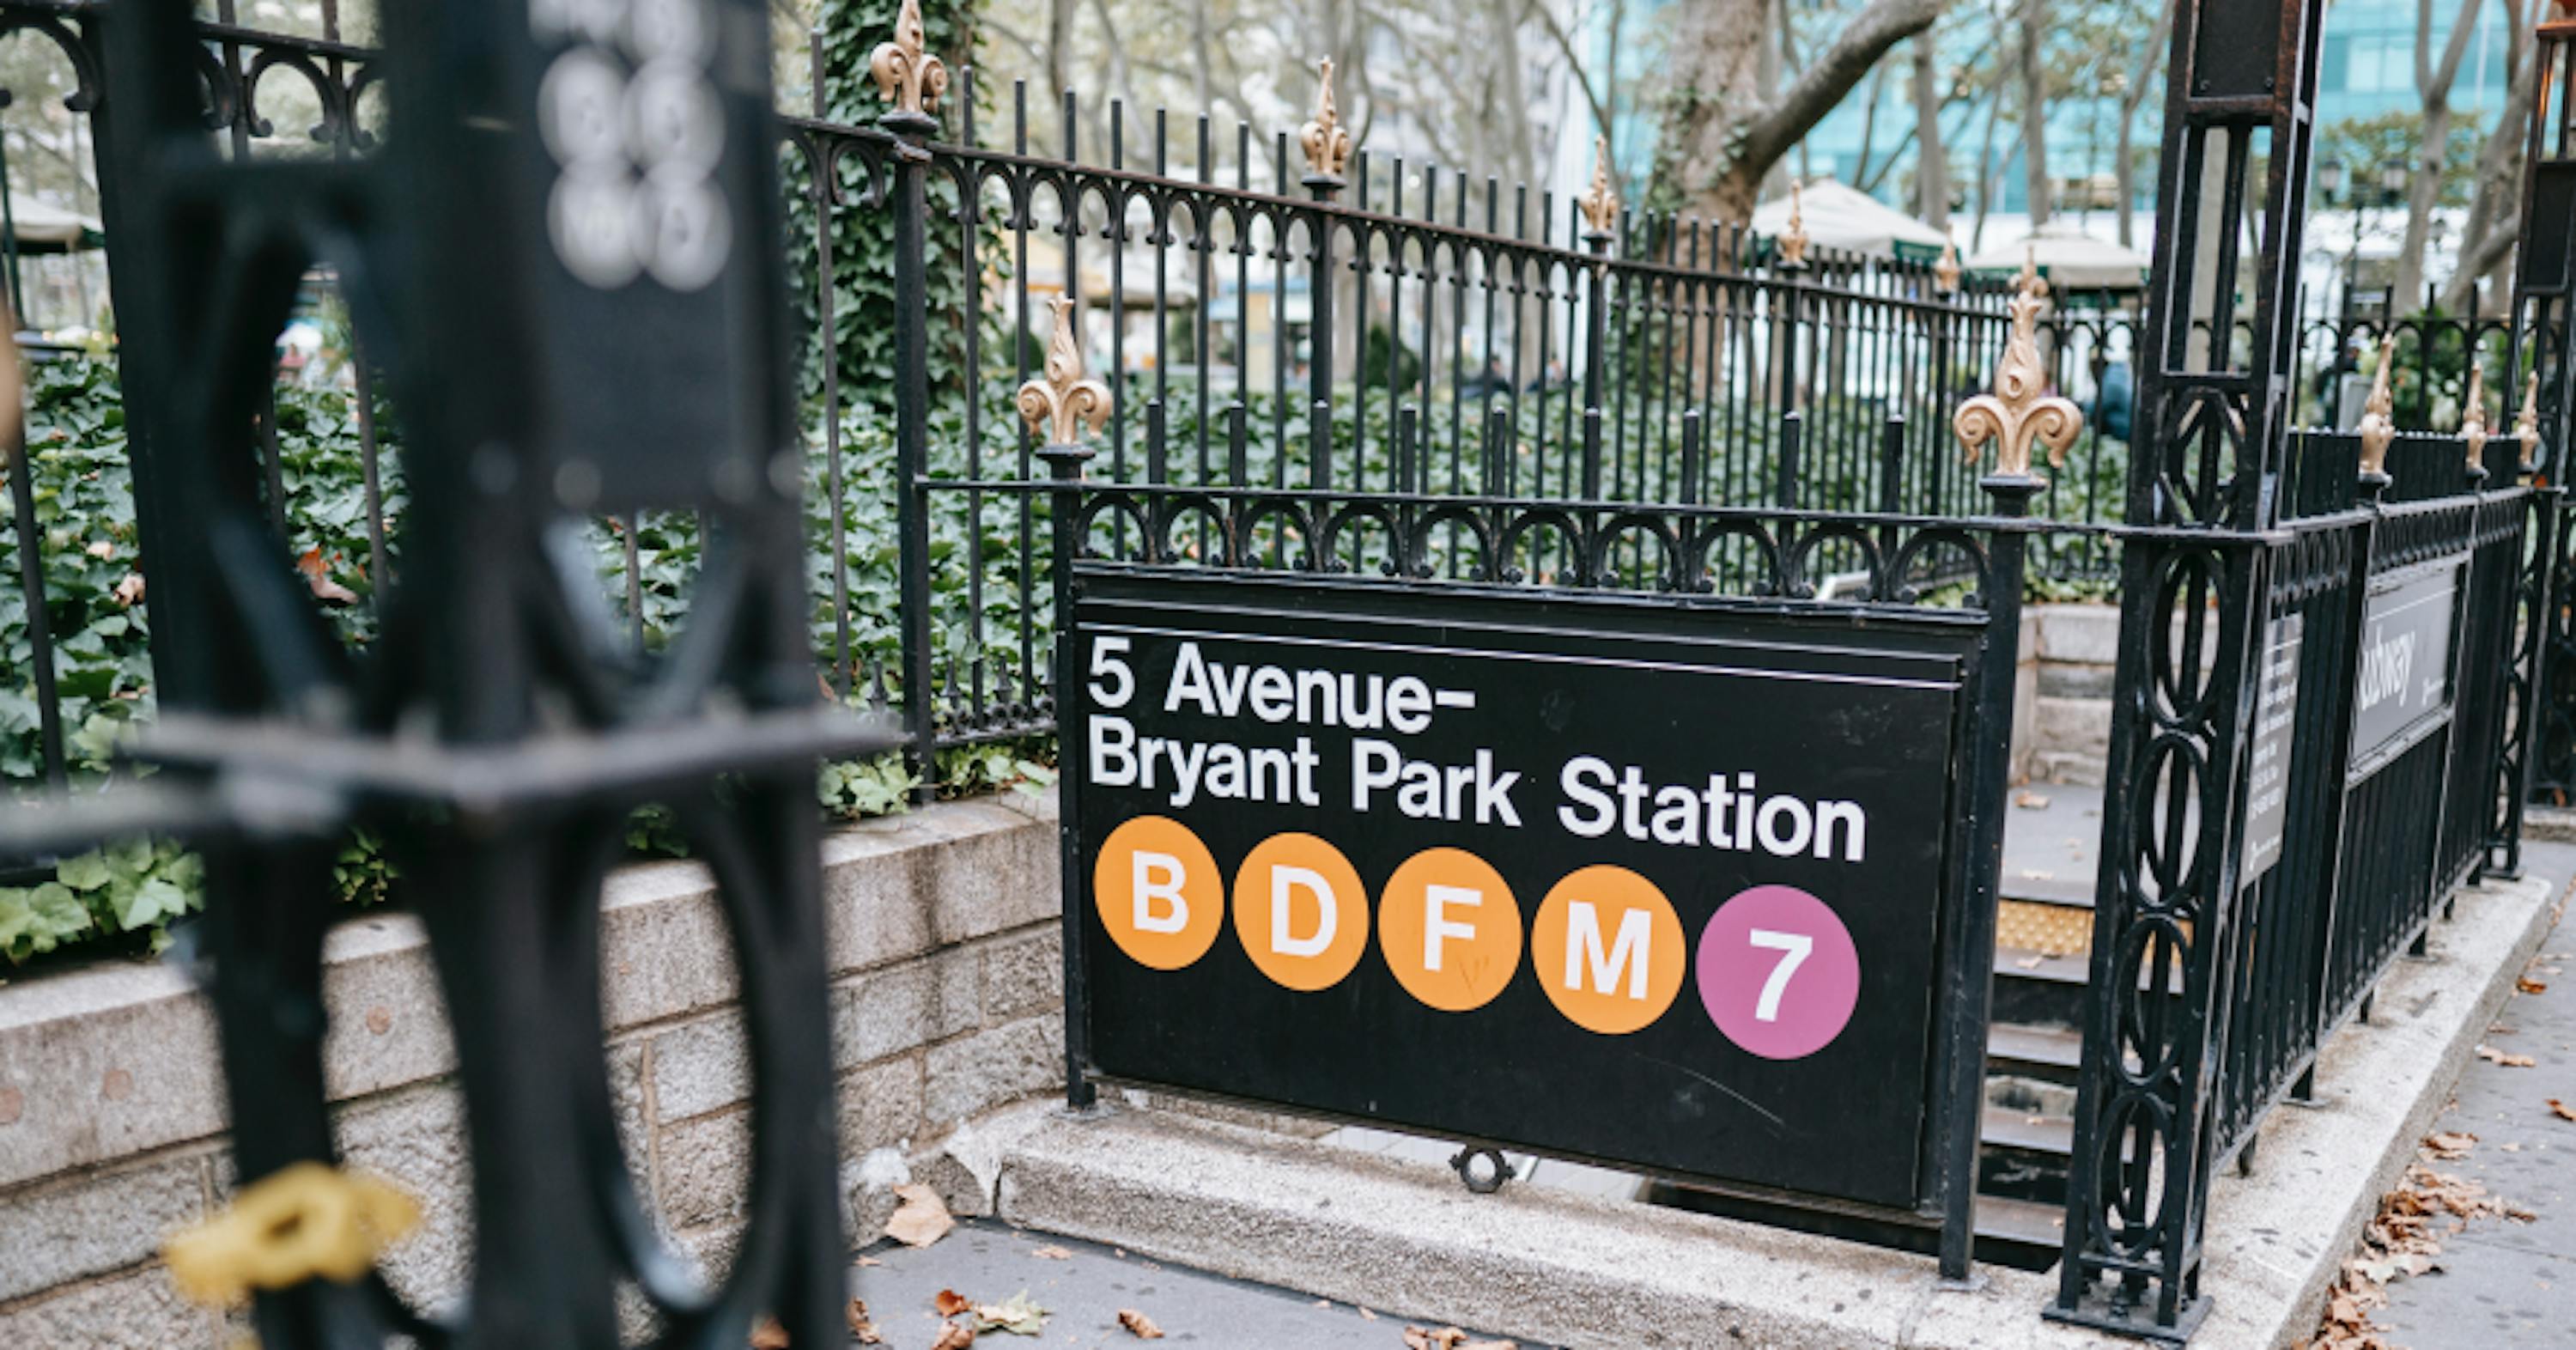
(2048, 1054)
(2021, 1234)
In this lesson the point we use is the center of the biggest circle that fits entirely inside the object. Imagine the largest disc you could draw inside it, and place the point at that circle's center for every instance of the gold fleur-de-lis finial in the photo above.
(2473, 417)
(2379, 414)
(1945, 273)
(909, 77)
(1064, 401)
(1600, 202)
(2526, 424)
(2021, 414)
(303, 1222)
(1793, 245)
(1325, 140)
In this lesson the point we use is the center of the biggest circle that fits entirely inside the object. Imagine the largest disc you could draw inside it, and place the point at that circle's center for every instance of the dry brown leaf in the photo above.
(2561, 1109)
(1424, 1338)
(863, 1329)
(921, 1219)
(950, 1303)
(766, 1334)
(1367, 1316)
(1139, 1325)
(317, 577)
(2524, 984)
(954, 1336)
(1051, 1252)
(870, 1261)
(2505, 1058)
(2031, 801)
(2450, 1146)
(129, 592)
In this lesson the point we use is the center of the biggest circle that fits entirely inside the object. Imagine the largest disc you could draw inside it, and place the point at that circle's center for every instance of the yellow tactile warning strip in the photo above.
(2055, 930)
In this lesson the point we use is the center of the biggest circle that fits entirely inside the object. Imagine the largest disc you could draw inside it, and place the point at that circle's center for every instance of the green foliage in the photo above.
(863, 310)
(2365, 144)
(858, 788)
(131, 886)
(85, 511)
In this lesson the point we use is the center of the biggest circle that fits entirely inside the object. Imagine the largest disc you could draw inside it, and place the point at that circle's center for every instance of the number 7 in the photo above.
(1795, 948)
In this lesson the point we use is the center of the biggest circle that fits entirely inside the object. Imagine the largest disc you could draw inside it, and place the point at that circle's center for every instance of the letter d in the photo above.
(1284, 881)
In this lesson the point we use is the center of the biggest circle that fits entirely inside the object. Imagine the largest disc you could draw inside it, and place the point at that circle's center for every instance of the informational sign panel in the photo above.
(1640, 883)
(2267, 768)
(2404, 687)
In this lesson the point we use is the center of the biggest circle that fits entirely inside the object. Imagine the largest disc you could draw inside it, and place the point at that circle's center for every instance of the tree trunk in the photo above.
(1931, 158)
(2434, 84)
(2131, 100)
(2495, 225)
(1059, 48)
(2034, 110)
(1720, 134)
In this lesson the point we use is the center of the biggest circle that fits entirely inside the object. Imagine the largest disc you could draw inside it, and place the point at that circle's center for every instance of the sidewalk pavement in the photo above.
(1084, 1285)
(2503, 1284)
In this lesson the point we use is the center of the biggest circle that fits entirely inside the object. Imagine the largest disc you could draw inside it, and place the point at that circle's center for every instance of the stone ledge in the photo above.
(119, 1059)
(1557, 1267)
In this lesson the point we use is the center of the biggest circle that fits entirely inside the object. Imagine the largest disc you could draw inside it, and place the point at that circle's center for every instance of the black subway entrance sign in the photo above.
(1636, 883)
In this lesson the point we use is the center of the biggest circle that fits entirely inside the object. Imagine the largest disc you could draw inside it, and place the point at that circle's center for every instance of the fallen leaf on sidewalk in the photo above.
(2450, 1146)
(862, 1328)
(870, 1261)
(2561, 1109)
(2505, 1059)
(766, 1334)
(2524, 984)
(2031, 801)
(1424, 1338)
(1367, 1316)
(1020, 1316)
(950, 1303)
(954, 1336)
(1139, 1325)
(921, 1219)
(1051, 1252)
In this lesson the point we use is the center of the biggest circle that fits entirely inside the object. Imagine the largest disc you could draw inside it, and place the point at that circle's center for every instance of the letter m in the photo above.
(1627, 952)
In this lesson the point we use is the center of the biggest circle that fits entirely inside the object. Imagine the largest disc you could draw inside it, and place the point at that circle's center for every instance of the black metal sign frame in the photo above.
(1367, 1053)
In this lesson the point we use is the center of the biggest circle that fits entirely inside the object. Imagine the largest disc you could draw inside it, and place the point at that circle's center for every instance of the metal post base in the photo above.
(2098, 1312)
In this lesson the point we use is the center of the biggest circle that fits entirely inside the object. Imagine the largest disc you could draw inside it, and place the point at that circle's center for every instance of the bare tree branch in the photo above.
(1833, 75)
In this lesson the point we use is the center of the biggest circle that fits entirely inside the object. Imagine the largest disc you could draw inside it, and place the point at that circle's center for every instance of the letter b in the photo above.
(1157, 891)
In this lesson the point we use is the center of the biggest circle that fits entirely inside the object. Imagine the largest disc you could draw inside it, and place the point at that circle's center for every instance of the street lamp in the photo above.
(2336, 186)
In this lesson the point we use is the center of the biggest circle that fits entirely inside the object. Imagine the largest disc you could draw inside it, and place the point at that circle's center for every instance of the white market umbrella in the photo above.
(2071, 260)
(40, 228)
(1849, 220)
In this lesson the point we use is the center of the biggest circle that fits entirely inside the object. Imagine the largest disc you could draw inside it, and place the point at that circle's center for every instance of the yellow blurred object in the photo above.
(298, 1223)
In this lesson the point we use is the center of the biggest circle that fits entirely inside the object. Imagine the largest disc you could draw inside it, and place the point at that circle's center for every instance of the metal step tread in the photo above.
(2014, 1044)
(2012, 963)
(2022, 1222)
(2004, 1127)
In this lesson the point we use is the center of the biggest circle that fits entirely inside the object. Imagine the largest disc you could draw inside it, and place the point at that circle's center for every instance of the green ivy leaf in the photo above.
(88, 872)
